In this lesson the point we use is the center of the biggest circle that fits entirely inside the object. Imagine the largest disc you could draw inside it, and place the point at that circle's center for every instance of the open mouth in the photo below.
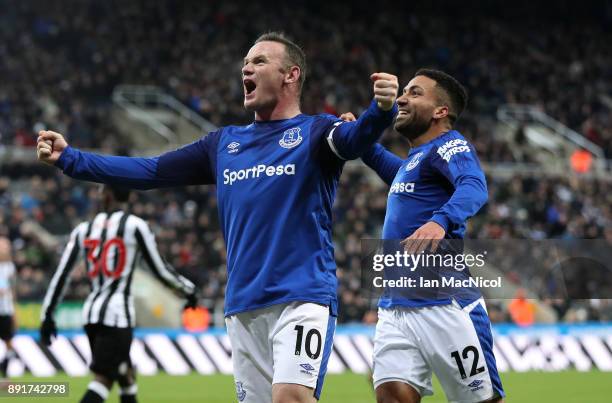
(249, 86)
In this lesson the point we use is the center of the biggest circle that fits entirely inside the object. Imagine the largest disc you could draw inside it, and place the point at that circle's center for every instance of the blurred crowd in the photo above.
(60, 68)
(186, 223)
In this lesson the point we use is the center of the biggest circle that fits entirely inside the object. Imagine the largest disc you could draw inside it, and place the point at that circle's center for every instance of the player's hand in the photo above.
(192, 301)
(47, 330)
(430, 233)
(348, 117)
(385, 89)
(49, 146)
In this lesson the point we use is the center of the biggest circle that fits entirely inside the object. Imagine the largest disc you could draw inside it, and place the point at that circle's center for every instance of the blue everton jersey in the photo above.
(276, 182)
(439, 181)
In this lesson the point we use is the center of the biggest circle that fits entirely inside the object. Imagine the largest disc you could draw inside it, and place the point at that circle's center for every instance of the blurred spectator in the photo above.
(522, 311)
(581, 161)
(528, 54)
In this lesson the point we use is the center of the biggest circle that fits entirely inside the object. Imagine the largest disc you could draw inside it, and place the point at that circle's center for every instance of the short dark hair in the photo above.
(457, 94)
(294, 53)
(120, 194)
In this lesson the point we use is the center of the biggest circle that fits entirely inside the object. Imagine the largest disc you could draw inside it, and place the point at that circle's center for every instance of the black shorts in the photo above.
(110, 349)
(7, 327)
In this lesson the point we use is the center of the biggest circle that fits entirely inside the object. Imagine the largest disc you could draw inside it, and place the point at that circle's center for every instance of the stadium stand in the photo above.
(59, 72)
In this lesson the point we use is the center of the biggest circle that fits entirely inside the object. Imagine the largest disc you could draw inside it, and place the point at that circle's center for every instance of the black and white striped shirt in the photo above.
(112, 245)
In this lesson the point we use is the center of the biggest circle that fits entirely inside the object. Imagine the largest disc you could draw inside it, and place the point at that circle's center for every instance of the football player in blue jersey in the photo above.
(276, 181)
(433, 192)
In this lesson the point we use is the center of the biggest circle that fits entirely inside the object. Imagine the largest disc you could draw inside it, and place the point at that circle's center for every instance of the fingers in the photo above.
(385, 89)
(43, 154)
(43, 150)
(44, 147)
(44, 140)
(382, 76)
(384, 98)
(386, 86)
(49, 135)
(426, 236)
(386, 92)
(411, 242)
(417, 244)
(434, 245)
(48, 145)
(384, 80)
(422, 245)
(348, 117)
(386, 83)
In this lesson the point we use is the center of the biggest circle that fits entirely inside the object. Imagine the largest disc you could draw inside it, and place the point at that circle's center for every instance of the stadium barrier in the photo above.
(583, 347)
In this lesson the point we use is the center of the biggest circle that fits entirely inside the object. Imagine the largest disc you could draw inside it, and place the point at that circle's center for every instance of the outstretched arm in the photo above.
(162, 270)
(194, 163)
(349, 140)
(383, 162)
(61, 278)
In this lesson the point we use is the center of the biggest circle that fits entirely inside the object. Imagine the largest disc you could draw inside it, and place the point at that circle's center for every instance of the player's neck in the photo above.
(432, 133)
(280, 111)
(114, 206)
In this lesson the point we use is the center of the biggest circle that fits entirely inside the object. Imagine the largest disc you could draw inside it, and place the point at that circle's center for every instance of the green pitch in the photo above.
(540, 387)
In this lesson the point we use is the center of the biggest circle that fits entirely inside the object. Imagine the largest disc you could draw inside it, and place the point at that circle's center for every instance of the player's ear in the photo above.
(293, 75)
(440, 112)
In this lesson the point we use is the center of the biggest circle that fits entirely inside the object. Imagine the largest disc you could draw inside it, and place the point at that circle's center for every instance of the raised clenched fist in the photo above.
(385, 89)
(49, 146)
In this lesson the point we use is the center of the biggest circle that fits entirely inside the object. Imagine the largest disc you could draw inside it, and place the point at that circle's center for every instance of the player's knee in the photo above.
(104, 380)
(126, 376)
(292, 393)
(396, 392)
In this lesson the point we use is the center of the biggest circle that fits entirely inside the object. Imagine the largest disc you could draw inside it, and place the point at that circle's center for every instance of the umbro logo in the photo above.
(233, 147)
(307, 367)
(475, 383)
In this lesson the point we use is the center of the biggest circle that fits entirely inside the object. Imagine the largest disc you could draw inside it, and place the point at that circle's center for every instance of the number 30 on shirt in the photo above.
(100, 262)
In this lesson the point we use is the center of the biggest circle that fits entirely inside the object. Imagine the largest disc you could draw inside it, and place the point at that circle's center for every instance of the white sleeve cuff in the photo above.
(330, 141)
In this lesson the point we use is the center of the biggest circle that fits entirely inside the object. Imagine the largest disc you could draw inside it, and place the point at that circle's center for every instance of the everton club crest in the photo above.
(414, 161)
(291, 138)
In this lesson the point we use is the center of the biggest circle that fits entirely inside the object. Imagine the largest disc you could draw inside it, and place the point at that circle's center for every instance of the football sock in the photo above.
(10, 354)
(128, 394)
(96, 393)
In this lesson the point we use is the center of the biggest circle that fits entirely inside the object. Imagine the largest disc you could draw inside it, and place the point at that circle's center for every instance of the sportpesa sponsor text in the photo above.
(229, 176)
